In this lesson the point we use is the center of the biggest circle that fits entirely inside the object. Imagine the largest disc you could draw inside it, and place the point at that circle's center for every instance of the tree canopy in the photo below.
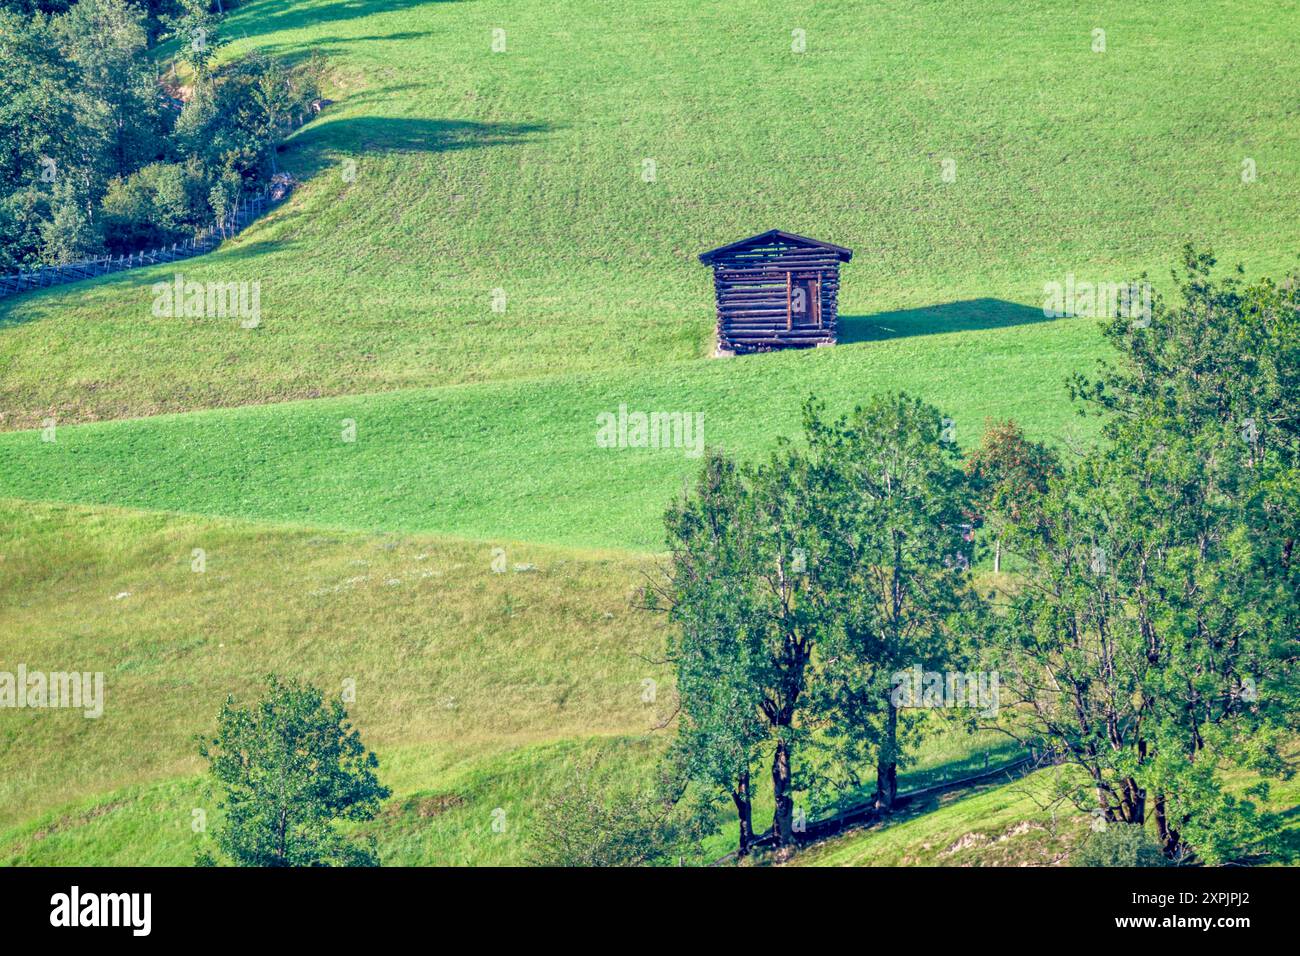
(291, 768)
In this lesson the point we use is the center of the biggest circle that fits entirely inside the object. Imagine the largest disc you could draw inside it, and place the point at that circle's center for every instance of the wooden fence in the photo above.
(203, 241)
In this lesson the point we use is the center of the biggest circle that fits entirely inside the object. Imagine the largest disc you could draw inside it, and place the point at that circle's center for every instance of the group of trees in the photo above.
(1151, 634)
(106, 146)
(800, 587)
(1155, 639)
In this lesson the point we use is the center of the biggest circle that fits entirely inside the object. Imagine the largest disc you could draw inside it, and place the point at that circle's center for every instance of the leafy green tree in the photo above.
(1009, 475)
(42, 139)
(197, 29)
(742, 591)
(27, 7)
(273, 97)
(38, 113)
(193, 131)
(153, 206)
(22, 216)
(107, 41)
(889, 500)
(1154, 643)
(720, 724)
(69, 234)
(223, 198)
(291, 767)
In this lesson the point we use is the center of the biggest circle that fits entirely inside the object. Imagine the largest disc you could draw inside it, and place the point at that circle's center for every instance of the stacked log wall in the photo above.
(752, 285)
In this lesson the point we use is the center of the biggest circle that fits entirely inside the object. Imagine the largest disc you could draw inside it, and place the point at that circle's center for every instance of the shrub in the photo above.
(1119, 844)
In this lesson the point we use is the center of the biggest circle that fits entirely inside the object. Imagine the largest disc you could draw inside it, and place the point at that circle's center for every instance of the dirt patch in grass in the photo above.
(423, 807)
(76, 819)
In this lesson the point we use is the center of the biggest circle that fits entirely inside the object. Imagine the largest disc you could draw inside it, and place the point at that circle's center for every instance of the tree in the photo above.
(107, 41)
(273, 96)
(1154, 644)
(720, 728)
(42, 139)
(291, 767)
(153, 206)
(889, 498)
(741, 590)
(197, 30)
(197, 122)
(1009, 476)
(69, 234)
(224, 198)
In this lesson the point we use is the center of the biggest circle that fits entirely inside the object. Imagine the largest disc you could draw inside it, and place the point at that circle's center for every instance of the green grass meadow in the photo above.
(520, 460)
(570, 180)
(523, 171)
(480, 690)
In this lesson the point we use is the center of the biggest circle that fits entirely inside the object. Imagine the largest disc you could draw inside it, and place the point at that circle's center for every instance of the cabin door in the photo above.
(805, 302)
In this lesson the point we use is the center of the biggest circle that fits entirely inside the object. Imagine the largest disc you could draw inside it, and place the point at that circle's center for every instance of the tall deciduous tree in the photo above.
(890, 500)
(742, 592)
(1155, 644)
(107, 40)
(42, 140)
(720, 726)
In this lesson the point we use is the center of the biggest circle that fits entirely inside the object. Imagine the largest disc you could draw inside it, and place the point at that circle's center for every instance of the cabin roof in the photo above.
(775, 235)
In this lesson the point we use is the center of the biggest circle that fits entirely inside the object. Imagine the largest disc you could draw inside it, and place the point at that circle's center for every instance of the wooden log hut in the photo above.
(776, 290)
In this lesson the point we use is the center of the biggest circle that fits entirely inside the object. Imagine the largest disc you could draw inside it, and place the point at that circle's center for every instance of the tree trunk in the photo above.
(1134, 802)
(1171, 841)
(744, 812)
(997, 556)
(782, 816)
(887, 763)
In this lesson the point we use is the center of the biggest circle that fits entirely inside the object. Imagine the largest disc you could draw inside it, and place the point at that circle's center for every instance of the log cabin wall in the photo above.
(773, 293)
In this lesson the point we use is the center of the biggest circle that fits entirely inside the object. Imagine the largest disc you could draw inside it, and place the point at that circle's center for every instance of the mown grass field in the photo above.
(522, 171)
(520, 460)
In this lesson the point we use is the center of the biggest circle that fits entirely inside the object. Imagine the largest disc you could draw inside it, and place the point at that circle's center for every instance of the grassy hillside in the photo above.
(520, 460)
(522, 171)
(444, 651)
(1009, 824)
(479, 690)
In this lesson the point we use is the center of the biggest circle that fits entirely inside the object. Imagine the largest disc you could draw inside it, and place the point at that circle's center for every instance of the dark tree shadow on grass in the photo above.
(964, 316)
(327, 143)
(271, 16)
(292, 53)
